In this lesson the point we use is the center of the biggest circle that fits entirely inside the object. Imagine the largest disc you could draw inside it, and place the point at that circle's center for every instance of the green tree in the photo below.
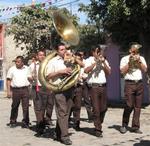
(93, 32)
(126, 20)
(34, 28)
(129, 21)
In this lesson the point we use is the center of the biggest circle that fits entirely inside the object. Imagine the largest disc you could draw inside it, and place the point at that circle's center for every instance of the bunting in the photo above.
(17, 8)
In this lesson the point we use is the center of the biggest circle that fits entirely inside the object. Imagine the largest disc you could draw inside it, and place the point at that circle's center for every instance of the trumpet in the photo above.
(70, 59)
(99, 58)
(133, 62)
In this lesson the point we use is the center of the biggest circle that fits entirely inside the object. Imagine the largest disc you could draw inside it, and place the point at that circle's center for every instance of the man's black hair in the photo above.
(20, 57)
(59, 44)
(93, 48)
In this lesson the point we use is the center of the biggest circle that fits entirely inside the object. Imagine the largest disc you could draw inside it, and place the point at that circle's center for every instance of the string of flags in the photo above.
(17, 8)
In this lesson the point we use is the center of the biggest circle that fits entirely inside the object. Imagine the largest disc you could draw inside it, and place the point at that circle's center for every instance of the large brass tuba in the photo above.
(68, 32)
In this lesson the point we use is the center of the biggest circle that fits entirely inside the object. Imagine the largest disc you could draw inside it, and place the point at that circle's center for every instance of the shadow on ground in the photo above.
(143, 143)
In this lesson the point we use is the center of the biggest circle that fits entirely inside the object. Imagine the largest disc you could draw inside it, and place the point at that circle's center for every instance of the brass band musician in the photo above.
(58, 68)
(42, 98)
(132, 66)
(97, 68)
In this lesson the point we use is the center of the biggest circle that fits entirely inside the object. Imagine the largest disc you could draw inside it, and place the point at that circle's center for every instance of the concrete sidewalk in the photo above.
(111, 136)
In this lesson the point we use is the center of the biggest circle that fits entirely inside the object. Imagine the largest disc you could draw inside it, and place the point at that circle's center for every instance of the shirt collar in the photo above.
(21, 67)
(59, 57)
(37, 62)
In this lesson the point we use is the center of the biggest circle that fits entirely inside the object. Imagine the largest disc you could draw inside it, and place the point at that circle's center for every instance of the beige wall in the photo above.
(10, 53)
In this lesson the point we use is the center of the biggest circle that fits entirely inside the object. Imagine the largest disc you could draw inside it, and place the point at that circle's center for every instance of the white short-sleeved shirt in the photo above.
(19, 77)
(32, 68)
(82, 74)
(137, 73)
(97, 75)
(54, 65)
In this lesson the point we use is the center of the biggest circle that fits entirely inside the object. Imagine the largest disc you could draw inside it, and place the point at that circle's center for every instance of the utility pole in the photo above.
(70, 7)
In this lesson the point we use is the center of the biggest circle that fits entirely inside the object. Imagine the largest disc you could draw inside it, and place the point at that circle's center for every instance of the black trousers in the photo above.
(20, 95)
(87, 100)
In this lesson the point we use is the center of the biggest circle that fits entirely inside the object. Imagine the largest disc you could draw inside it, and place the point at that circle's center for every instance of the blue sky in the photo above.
(6, 12)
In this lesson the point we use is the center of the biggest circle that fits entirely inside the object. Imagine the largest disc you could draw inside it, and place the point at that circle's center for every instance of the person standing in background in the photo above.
(18, 84)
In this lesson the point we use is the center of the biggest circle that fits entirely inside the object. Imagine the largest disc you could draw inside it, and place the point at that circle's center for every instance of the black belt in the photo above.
(97, 84)
(134, 81)
(19, 87)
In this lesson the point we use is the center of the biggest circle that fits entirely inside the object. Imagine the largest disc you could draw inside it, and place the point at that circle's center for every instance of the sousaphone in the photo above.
(69, 34)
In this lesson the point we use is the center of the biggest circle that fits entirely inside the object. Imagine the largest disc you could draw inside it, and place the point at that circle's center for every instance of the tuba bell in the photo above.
(68, 32)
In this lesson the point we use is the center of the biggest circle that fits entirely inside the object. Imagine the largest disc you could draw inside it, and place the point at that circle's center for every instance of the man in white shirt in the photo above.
(56, 71)
(132, 66)
(42, 98)
(18, 83)
(97, 68)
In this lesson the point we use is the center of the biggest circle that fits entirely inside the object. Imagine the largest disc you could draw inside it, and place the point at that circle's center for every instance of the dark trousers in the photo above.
(43, 102)
(133, 95)
(81, 91)
(20, 95)
(77, 101)
(99, 104)
(49, 107)
(63, 104)
(87, 101)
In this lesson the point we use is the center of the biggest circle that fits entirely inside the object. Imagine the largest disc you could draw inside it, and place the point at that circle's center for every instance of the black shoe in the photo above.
(12, 124)
(66, 141)
(138, 131)
(40, 130)
(98, 133)
(25, 125)
(77, 126)
(56, 137)
(123, 129)
(39, 133)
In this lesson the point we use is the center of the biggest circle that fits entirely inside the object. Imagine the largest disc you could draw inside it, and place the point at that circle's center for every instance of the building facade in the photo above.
(8, 52)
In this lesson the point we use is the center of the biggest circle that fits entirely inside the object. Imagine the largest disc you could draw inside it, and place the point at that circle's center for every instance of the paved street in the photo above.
(111, 136)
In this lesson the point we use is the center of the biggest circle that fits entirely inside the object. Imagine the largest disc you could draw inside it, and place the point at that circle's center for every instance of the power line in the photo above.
(70, 4)
(52, 4)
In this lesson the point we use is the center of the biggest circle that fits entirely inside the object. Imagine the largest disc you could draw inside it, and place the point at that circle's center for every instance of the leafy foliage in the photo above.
(34, 28)
(93, 33)
(126, 20)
